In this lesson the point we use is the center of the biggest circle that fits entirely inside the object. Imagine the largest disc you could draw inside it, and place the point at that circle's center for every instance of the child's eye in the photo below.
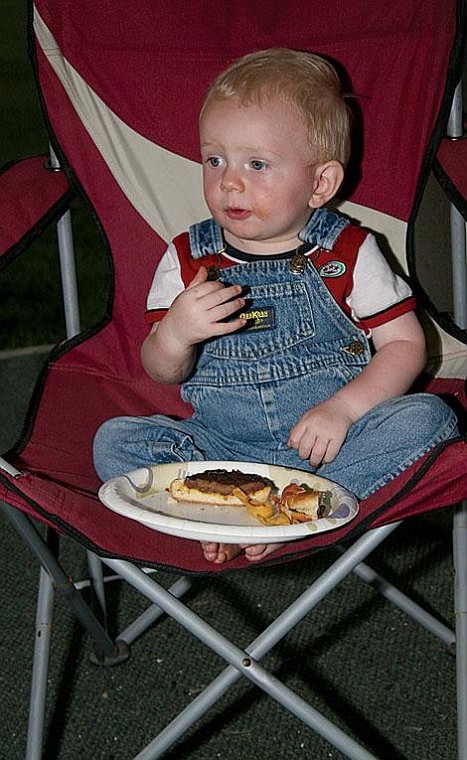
(214, 161)
(258, 165)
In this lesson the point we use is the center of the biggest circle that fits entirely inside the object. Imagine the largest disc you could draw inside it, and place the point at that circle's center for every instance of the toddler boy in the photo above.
(292, 338)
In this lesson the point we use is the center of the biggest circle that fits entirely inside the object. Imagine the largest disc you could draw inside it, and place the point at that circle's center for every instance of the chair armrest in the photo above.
(31, 197)
(450, 169)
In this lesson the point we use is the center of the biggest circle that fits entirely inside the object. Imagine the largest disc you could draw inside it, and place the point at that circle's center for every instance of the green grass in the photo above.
(31, 311)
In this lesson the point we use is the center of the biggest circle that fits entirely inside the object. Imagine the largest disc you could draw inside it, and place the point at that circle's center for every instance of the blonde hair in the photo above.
(304, 79)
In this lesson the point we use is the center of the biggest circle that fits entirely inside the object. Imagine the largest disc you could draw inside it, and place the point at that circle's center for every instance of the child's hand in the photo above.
(169, 351)
(320, 433)
(197, 313)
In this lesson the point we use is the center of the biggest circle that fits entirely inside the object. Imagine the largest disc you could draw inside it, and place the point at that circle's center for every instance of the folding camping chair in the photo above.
(121, 88)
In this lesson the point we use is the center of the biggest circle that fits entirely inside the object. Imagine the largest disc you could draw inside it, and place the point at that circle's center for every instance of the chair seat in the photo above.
(437, 480)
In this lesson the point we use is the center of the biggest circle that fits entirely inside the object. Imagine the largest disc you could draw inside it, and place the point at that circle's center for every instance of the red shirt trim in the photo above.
(344, 252)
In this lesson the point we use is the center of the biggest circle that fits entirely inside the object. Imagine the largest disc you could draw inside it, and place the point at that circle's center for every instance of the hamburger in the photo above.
(296, 504)
(301, 503)
(218, 487)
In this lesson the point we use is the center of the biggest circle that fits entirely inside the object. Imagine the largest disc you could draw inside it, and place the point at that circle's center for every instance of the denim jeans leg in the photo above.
(388, 439)
(123, 444)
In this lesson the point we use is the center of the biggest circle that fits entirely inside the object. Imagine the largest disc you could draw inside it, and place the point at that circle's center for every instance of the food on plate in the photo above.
(296, 504)
(266, 512)
(301, 503)
(218, 487)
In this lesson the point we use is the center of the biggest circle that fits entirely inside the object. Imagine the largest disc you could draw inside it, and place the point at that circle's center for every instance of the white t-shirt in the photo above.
(369, 292)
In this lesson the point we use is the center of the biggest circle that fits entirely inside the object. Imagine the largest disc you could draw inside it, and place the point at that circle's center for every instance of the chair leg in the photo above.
(246, 662)
(153, 613)
(108, 651)
(455, 131)
(460, 608)
(96, 582)
(459, 267)
(404, 603)
(67, 264)
(37, 703)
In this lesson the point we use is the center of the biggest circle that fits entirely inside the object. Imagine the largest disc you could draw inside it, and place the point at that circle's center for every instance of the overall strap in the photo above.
(323, 228)
(205, 238)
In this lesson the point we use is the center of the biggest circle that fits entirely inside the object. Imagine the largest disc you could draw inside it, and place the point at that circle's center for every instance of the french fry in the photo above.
(265, 513)
(280, 519)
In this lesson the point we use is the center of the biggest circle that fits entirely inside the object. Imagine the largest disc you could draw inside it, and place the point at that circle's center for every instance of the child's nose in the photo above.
(232, 179)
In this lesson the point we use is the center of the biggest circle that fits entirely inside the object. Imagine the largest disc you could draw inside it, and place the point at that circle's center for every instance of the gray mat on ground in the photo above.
(360, 661)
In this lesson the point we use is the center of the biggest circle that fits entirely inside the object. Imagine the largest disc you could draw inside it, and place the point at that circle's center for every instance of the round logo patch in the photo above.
(332, 269)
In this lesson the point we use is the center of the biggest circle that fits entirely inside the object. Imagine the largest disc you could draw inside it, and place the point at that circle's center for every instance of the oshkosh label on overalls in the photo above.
(259, 319)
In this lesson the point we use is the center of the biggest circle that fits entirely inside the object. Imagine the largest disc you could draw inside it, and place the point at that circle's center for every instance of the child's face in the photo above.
(258, 182)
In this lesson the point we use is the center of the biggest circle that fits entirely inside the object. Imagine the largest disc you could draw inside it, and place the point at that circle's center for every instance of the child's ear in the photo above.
(327, 179)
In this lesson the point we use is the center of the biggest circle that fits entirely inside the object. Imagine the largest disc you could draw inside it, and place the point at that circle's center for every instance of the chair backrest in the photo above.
(123, 84)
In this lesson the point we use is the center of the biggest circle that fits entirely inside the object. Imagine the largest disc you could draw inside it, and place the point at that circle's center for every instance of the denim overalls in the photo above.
(250, 387)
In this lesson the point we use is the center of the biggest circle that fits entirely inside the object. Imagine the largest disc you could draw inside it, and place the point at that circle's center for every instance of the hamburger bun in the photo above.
(217, 486)
(301, 504)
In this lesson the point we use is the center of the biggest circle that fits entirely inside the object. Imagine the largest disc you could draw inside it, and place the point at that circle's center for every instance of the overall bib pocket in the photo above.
(279, 317)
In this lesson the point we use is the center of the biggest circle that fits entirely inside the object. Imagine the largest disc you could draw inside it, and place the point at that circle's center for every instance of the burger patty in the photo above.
(223, 482)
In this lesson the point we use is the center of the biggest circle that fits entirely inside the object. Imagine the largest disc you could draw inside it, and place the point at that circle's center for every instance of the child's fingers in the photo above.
(225, 328)
(318, 451)
(200, 276)
(332, 450)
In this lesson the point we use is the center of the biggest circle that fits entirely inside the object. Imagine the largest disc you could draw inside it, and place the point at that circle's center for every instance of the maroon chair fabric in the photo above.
(150, 73)
(33, 196)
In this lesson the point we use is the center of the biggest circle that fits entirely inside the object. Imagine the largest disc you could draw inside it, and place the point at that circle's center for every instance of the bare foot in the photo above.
(257, 552)
(220, 553)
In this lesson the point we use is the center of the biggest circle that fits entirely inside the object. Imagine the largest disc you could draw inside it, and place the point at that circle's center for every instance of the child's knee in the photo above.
(432, 417)
(107, 434)
(108, 440)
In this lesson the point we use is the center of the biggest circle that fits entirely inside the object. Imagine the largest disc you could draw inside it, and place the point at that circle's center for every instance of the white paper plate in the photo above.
(141, 495)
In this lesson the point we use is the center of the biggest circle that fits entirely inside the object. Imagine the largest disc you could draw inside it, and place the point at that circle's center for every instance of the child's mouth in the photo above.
(237, 213)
